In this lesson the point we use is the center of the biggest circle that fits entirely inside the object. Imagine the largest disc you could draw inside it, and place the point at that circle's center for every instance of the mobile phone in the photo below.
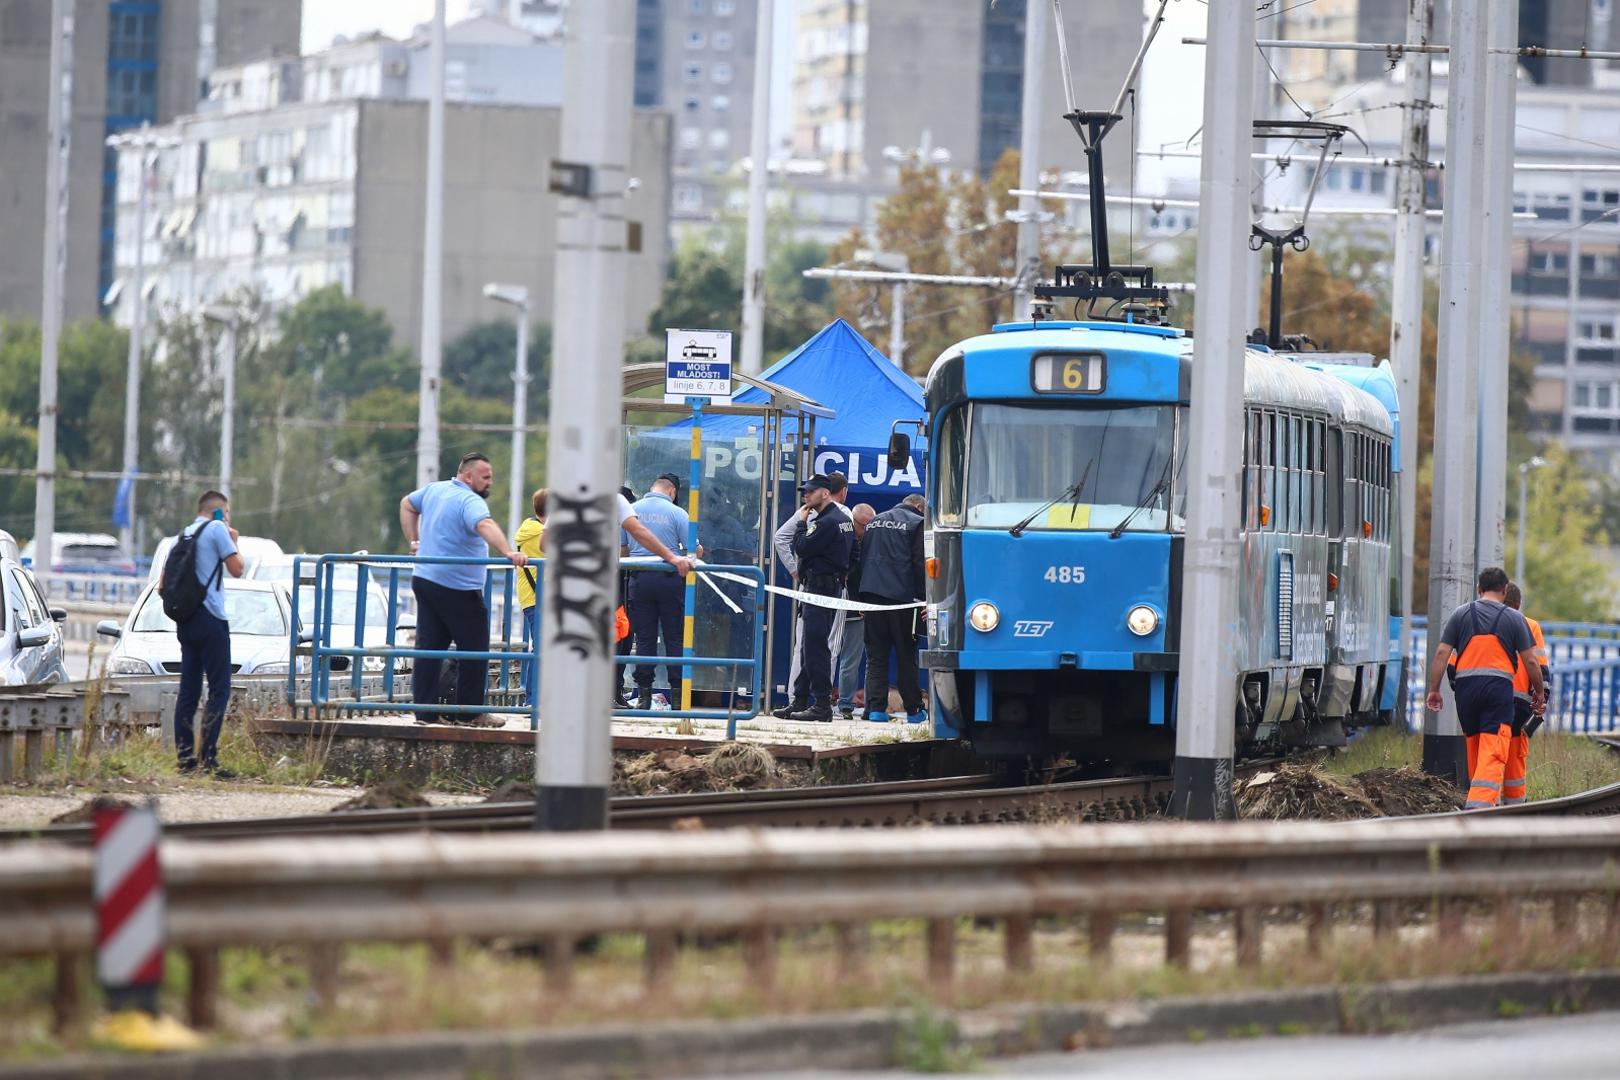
(219, 513)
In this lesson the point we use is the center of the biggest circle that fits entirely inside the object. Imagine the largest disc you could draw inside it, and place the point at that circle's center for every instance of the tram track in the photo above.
(959, 800)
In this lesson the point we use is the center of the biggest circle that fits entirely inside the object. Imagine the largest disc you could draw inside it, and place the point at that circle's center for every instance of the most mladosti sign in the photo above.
(697, 363)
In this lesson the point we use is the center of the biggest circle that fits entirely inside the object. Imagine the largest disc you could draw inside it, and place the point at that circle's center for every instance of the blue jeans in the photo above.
(529, 670)
(205, 650)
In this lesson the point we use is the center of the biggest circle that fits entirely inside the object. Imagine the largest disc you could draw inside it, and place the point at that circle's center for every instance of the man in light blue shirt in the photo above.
(658, 600)
(205, 639)
(451, 518)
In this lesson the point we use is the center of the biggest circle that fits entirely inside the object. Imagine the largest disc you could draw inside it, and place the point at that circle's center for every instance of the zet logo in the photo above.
(1030, 628)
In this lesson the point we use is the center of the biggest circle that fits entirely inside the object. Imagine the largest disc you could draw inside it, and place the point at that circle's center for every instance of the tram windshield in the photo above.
(1116, 469)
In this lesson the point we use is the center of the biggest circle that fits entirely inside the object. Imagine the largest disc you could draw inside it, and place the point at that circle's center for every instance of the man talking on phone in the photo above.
(193, 597)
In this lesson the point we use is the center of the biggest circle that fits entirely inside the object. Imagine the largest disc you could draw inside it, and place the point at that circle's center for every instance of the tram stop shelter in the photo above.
(749, 452)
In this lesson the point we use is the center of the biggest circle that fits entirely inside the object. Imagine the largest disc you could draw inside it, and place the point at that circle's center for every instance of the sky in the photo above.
(1171, 92)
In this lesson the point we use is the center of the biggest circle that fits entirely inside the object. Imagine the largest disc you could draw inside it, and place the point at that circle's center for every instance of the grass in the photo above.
(1560, 764)
(266, 994)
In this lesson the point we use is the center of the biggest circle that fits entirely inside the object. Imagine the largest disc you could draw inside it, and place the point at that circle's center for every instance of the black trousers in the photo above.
(890, 632)
(205, 650)
(816, 667)
(445, 616)
(657, 602)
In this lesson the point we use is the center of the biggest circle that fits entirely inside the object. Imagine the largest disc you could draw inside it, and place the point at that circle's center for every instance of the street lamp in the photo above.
(518, 297)
(146, 145)
(231, 320)
(1524, 507)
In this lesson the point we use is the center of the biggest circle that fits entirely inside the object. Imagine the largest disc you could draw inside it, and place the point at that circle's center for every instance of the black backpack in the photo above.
(182, 593)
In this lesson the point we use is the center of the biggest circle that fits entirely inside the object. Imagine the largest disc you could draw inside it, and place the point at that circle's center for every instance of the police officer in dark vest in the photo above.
(823, 543)
(892, 573)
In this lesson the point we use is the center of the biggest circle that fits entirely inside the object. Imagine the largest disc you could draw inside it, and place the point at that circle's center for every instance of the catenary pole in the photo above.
(1495, 283)
(431, 346)
(1406, 296)
(1028, 256)
(1255, 273)
(1452, 563)
(1207, 695)
(60, 126)
(142, 144)
(759, 179)
(227, 414)
(573, 765)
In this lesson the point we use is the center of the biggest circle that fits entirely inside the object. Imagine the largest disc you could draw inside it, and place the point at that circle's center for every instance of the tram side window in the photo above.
(1318, 477)
(1248, 470)
(1295, 503)
(950, 469)
(1352, 484)
(1268, 428)
(1386, 478)
(1335, 484)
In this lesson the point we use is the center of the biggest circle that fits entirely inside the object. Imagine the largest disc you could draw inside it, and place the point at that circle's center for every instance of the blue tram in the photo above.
(1057, 487)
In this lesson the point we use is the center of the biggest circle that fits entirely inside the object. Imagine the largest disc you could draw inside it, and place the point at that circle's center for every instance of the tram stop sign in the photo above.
(697, 363)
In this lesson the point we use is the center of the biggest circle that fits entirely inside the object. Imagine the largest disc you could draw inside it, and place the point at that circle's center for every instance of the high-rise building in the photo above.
(877, 81)
(133, 62)
(302, 173)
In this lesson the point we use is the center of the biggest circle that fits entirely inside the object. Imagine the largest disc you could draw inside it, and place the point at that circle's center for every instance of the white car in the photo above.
(344, 612)
(259, 613)
(83, 553)
(253, 549)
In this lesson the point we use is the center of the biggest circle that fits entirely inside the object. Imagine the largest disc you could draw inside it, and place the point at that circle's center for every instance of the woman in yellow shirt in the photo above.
(530, 541)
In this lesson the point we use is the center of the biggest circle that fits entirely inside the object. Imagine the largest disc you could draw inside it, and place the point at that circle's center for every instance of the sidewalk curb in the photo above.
(866, 1039)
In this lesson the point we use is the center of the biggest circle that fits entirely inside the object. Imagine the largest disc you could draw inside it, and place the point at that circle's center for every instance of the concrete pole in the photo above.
(1496, 284)
(1406, 299)
(1255, 266)
(1028, 258)
(1452, 564)
(520, 421)
(759, 179)
(59, 121)
(1524, 506)
(431, 346)
(227, 419)
(897, 324)
(1207, 694)
(573, 765)
(137, 329)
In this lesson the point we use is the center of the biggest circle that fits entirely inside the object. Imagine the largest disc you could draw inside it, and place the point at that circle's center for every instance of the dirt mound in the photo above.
(85, 811)
(1407, 791)
(389, 795)
(512, 791)
(1294, 791)
(728, 767)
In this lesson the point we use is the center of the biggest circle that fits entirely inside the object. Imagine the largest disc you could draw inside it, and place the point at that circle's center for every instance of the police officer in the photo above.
(1485, 642)
(823, 545)
(892, 573)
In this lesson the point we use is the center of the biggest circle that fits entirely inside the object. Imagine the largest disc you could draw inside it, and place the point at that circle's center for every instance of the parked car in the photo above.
(344, 620)
(9, 548)
(253, 549)
(73, 553)
(31, 639)
(259, 612)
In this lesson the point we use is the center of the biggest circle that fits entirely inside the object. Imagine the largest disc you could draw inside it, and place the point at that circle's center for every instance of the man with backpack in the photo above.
(194, 599)
(1484, 643)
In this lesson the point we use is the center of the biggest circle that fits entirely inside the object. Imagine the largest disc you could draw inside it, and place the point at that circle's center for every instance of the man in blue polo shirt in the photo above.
(658, 600)
(451, 518)
(205, 640)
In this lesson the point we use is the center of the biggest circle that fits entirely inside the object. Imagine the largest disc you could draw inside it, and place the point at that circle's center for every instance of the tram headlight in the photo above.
(983, 616)
(1142, 620)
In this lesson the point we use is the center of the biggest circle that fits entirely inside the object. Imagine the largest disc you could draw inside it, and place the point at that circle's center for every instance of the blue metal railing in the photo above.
(1585, 660)
(313, 638)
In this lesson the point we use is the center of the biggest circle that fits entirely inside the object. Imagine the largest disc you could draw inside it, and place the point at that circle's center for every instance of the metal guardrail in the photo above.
(93, 588)
(558, 888)
(507, 649)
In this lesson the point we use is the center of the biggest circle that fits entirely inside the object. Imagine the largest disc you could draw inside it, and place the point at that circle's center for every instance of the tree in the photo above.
(480, 362)
(942, 225)
(1564, 576)
(705, 285)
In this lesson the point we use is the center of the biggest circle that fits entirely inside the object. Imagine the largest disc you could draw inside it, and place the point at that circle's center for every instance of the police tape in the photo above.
(835, 603)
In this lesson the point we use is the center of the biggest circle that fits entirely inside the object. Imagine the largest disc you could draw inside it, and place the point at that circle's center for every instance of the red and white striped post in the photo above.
(128, 889)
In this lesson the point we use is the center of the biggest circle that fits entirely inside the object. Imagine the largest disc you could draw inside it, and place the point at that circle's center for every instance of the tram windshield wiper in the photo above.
(1164, 482)
(1071, 492)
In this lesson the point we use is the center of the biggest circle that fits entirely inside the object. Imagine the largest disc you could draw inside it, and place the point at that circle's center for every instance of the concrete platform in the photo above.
(378, 745)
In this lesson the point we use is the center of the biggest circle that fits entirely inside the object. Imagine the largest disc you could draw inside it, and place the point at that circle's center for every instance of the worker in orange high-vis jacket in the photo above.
(1518, 762)
(1483, 644)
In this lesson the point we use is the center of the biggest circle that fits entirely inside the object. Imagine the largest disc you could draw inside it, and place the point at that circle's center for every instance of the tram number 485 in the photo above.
(1065, 575)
